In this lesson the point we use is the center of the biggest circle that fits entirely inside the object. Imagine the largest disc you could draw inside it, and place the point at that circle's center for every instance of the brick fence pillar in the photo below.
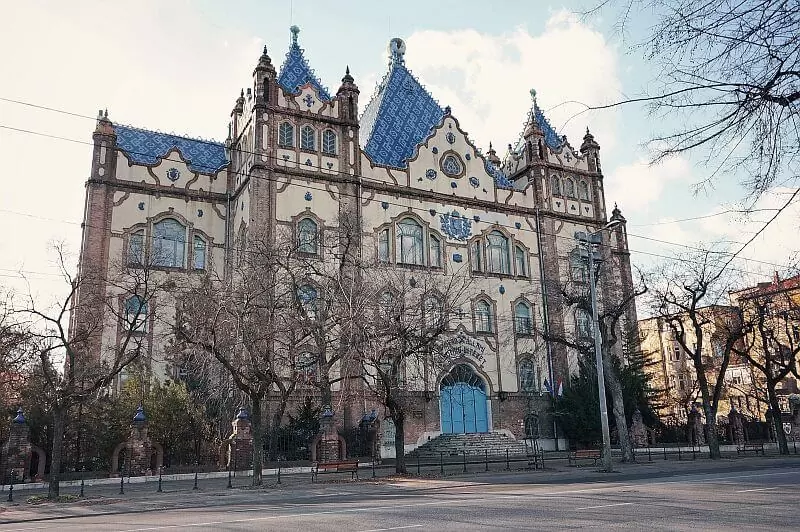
(139, 445)
(241, 453)
(17, 450)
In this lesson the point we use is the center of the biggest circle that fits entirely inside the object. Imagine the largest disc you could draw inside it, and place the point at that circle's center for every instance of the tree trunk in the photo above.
(399, 443)
(711, 434)
(618, 407)
(258, 447)
(59, 422)
(774, 405)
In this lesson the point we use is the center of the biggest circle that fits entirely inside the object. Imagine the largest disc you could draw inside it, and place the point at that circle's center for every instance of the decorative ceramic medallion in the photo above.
(474, 182)
(476, 218)
(173, 174)
(518, 225)
(141, 205)
(451, 165)
(309, 100)
(430, 173)
(451, 138)
(453, 184)
(199, 213)
(308, 196)
(457, 257)
(456, 226)
(467, 156)
(432, 211)
(435, 150)
(385, 205)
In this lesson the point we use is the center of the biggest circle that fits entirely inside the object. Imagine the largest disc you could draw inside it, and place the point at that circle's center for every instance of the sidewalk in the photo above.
(141, 496)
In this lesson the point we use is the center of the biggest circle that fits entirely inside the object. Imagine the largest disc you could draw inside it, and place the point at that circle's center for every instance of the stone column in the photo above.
(140, 448)
(17, 450)
(330, 449)
(241, 453)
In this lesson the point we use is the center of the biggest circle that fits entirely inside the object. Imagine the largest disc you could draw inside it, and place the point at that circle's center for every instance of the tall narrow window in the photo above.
(199, 255)
(520, 262)
(522, 317)
(135, 314)
(136, 248)
(583, 323)
(436, 251)
(383, 246)
(555, 186)
(307, 138)
(583, 190)
(307, 295)
(410, 242)
(483, 317)
(527, 376)
(286, 135)
(307, 236)
(169, 243)
(328, 142)
(569, 188)
(432, 310)
(475, 256)
(497, 258)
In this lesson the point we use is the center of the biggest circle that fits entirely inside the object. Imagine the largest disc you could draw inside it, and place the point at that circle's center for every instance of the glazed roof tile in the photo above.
(149, 147)
(399, 116)
(295, 71)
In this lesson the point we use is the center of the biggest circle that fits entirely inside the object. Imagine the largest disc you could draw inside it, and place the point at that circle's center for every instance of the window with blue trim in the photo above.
(410, 242)
(136, 248)
(135, 314)
(286, 135)
(169, 244)
(308, 138)
(522, 318)
(307, 231)
(199, 253)
(328, 142)
(484, 321)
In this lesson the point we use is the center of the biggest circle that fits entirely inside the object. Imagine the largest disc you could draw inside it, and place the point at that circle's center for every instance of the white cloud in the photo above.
(637, 185)
(486, 78)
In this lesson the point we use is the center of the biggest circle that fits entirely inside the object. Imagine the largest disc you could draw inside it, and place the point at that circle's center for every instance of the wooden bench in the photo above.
(342, 466)
(756, 447)
(583, 454)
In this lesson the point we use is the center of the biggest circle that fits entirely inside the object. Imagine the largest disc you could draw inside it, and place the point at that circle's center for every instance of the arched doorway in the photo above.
(463, 401)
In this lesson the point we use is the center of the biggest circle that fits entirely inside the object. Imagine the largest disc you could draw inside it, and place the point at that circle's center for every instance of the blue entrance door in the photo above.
(463, 402)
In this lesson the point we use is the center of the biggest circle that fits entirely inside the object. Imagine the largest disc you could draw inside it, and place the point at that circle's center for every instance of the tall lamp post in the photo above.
(589, 242)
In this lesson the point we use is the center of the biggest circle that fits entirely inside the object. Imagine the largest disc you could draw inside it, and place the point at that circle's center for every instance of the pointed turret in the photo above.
(264, 79)
(348, 96)
(616, 215)
(239, 107)
(492, 157)
(533, 136)
(591, 150)
(296, 72)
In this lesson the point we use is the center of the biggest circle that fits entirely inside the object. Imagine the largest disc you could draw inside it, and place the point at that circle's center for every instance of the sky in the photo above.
(178, 66)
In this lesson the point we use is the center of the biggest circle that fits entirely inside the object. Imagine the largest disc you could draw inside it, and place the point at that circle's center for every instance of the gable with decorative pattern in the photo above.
(149, 147)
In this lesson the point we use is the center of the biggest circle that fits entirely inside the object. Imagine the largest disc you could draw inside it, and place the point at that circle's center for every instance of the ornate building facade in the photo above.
(424, 196)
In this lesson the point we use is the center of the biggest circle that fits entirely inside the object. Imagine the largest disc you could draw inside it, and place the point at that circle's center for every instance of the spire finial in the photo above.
(347, 70)
(533, 96)
(265, 50)
(105, 113)
(295, 30)
(241, 94)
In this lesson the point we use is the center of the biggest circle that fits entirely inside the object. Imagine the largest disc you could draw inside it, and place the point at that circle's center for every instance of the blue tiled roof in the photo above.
(295, 72)
(148, 147)
(550, 136)
(400, 116)
(500, 178)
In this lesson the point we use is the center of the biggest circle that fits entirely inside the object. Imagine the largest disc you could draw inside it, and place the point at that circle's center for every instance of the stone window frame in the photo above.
(310, 283)
(308, 214)
(146, 228)
(482, 243)
(329, 132)
(579, 331)
(584, 190)
(569, 188)
(282, 136)
(303, 147)
(526, 257)
(555, 185)
(528, 357)
(439, 297)
(483, 298)
(390, 228)
(299, 351)
(531, 309)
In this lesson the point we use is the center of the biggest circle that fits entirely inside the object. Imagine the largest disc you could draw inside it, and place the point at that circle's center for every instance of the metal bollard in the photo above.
(441, 462)
(694, 453)
(194, 488)
(11, 487)
(159, 479)
(486, 459)
(373, 465)
(417, 464)
(794, 444)
(279, 472)
(465, 460)
(679, 453)
(665, 451)
(649, 456)
(230, 485)
(122, 485)
(81, 495)
(508, 466)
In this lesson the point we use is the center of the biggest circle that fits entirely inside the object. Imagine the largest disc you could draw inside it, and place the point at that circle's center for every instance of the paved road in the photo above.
(748, 498)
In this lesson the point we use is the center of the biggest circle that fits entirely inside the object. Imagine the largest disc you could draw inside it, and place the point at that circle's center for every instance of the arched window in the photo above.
(307, 295)
(169, 243)
(432, 312)
(136, 248)
(577, 266)
(306, 367)
(497, 259)
(308, 138)
(286, 135)
(483, 317)
(199, 253)
(307, 231)
(328, 142)
(410, 242)
(475, 256)
(583, 324)
(527, 376)
(383, 246)
(583, 190)
(522, 318)
(436, 251)
(135, 314)
(555, 186)
(520, 261)
(569, 188)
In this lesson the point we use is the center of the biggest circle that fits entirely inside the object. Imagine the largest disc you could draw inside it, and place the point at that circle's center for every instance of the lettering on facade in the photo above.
(463, 346)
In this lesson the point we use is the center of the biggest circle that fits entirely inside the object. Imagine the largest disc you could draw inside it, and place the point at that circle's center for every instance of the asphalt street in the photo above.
(739, 497)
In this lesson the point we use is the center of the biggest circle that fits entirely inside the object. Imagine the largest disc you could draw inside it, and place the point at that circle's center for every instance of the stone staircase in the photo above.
(477, 444)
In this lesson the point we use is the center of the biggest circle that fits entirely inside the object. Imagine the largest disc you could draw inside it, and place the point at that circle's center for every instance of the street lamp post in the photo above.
(590, 241)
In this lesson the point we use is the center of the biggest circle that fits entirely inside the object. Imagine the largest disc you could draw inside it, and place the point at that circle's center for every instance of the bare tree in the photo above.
(71, 362)
(401, 346)
(772, 344)
(691, 299)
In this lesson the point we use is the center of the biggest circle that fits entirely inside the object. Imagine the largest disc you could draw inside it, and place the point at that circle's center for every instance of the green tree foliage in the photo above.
(578, 410)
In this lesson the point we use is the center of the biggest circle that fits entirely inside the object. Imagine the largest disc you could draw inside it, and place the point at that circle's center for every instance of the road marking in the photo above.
(393, 528)
(604, 506)
(757, 489)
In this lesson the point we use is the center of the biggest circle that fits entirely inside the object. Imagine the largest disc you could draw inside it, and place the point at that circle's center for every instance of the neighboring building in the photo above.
(298, 157)
(672, 370)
